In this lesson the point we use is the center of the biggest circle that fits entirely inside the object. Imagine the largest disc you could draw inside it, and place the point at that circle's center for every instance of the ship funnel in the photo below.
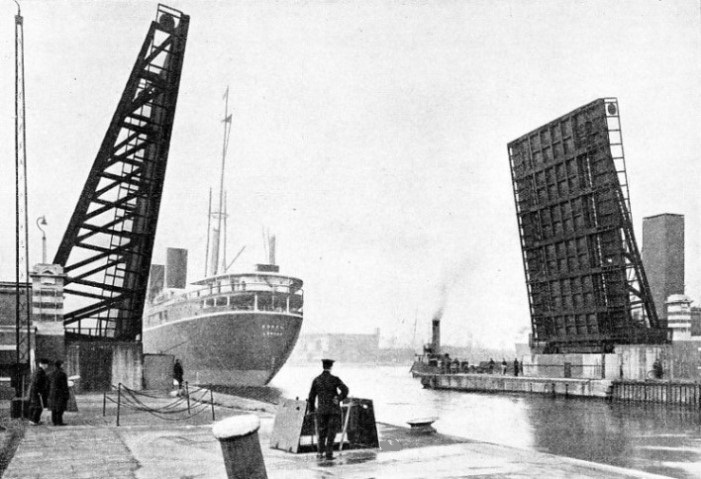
(176, 268)
(271, 250)
(436, 335)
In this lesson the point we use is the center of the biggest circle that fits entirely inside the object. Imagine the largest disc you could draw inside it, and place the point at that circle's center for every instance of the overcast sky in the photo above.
(370, 137)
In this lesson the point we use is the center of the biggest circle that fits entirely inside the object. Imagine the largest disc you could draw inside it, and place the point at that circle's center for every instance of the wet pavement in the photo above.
(147, 446)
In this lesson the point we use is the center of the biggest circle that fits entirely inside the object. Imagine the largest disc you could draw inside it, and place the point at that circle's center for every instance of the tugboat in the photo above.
(229, 329)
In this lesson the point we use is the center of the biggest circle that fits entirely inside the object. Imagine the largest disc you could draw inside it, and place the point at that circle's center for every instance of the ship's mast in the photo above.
(218, 215)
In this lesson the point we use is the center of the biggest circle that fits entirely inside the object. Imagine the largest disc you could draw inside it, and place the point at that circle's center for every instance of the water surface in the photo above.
(646, 437)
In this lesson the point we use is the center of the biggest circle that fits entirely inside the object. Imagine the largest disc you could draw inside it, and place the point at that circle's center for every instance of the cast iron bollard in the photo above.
(238, 436)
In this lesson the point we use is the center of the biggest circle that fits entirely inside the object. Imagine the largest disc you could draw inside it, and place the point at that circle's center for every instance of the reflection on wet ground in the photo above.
(356, 458)
(267, 394)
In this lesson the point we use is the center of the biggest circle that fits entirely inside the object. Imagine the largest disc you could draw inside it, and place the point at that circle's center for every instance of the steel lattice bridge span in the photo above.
(587, 288)
(106, 249)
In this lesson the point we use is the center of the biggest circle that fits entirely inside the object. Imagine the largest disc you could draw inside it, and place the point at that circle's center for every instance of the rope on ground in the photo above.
(130, 399)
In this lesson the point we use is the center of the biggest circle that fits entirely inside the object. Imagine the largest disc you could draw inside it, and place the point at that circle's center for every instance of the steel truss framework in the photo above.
(106, 250)
(586, 284)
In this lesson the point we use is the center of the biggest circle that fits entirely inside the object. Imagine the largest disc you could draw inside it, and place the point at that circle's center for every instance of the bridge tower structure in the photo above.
(107, 247)
(587, 287)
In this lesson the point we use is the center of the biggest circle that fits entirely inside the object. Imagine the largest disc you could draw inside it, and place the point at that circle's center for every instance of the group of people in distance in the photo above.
(48, 390)
(504, 366)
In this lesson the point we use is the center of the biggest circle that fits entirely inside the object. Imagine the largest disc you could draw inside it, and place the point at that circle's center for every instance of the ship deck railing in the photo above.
(241, 288)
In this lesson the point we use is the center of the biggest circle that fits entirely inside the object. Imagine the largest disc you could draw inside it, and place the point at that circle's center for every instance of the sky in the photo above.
(369, 137)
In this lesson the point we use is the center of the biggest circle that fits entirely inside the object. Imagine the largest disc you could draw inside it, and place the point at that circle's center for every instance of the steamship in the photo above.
(229, 329)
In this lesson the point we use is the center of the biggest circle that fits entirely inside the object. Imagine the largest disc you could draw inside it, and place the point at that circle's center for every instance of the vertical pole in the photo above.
(23, 394)
(320, 452)
(119, 400)
(187, 395)
(345, 426)
(223, 252)
(104, 404)
(18, 320)
(211, 400)
(209, 227)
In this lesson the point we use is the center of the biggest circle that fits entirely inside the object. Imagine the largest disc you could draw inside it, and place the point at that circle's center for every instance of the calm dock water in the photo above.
(645, 437)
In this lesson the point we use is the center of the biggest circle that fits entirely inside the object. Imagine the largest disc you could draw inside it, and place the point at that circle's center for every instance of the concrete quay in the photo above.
(149, 447)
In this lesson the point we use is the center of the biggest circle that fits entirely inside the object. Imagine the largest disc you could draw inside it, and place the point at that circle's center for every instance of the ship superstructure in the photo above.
(230, 328)
(233, 329)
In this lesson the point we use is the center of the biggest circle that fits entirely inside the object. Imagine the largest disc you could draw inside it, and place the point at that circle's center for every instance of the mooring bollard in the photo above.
(238, 436)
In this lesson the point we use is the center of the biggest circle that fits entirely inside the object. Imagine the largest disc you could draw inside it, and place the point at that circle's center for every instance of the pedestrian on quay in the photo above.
(491, 366)
(178, 374)
(38, 392)
(330, 391)
(657, 369)
(503, 367)
(58, 394)
(516, 366)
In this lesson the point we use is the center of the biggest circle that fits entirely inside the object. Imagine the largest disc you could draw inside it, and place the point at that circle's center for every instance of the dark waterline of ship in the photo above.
(649, 438)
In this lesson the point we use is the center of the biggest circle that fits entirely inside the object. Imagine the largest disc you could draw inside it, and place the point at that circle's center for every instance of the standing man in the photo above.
(516, 367)
(331, 391)
(38, 392)
(58, 394)
(178, 373)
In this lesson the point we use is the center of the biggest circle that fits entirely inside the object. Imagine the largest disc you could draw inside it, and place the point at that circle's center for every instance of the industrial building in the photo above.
(352, 348)
(663, 257)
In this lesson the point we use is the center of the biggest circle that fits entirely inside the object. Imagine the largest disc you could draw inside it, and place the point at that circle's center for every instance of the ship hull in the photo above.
(227, 348)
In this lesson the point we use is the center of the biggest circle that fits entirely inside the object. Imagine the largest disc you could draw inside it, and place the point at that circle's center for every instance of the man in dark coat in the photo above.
(38, 392)
(330, 391)
(58, 394)
(178, 373)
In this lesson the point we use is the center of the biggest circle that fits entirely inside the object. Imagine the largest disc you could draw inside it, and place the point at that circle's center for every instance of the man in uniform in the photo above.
(331, 391)
(58, 394)
(38, 392)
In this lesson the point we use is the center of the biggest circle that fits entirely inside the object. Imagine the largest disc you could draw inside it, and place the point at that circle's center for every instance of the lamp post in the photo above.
(42, 221)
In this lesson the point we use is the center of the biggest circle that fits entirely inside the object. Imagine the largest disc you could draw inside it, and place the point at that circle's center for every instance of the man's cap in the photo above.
(44, 361)
(327, 363)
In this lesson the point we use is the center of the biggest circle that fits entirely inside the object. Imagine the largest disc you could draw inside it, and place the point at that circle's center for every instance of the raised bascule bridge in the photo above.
(590, 303)
(594, 327)
(107, 247)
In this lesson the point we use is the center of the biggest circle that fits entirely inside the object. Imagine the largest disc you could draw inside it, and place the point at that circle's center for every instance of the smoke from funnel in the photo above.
(450, 279)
